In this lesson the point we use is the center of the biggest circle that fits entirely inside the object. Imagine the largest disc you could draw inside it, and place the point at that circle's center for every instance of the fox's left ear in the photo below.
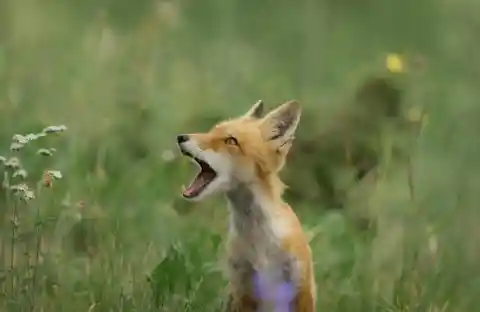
(256, 111)
(279, 125)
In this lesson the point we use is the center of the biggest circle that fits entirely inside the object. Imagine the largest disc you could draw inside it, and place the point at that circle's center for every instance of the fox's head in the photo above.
(246, 150)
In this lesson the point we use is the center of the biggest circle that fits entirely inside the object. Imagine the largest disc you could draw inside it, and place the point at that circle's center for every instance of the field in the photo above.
(107, 229)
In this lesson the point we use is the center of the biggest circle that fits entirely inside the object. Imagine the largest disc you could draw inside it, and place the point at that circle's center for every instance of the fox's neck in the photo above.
(249, 209)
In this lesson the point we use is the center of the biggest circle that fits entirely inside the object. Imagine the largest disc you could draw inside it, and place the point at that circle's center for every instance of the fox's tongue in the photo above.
(195, 186)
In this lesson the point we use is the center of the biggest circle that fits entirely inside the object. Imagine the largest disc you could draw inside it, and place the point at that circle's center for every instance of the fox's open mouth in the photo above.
(201, 180)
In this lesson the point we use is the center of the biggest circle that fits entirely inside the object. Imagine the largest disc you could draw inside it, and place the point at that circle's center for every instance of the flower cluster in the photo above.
(13, 167)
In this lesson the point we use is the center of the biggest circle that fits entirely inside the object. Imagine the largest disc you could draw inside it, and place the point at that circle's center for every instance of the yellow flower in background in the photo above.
(394, 63)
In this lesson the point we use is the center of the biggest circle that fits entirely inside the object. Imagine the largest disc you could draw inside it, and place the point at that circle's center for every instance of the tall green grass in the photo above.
(126, 77)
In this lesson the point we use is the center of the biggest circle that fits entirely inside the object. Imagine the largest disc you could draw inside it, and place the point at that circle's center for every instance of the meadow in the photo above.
(93, 94)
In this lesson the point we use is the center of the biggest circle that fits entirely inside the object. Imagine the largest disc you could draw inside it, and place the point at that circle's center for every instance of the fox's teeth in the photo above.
(184, 188)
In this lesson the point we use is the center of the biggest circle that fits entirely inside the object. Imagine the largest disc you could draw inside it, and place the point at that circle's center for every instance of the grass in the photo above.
(113, 234)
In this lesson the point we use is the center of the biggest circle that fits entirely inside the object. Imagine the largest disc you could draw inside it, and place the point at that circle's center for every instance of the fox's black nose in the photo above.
(182, 138)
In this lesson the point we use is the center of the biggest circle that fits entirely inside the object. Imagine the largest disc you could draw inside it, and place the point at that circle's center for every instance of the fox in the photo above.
(269, 260)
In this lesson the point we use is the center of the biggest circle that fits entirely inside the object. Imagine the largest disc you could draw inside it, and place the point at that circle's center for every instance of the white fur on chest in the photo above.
(256, 229)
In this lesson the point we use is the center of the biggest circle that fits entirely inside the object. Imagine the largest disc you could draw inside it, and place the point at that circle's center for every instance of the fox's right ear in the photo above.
(256, 111)
(279, 125)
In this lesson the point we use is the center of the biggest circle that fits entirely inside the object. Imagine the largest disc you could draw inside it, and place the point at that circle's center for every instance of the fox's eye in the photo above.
(231, 141)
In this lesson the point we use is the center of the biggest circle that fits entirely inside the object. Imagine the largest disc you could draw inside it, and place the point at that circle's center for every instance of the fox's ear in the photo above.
(256, 111)
(279, 125)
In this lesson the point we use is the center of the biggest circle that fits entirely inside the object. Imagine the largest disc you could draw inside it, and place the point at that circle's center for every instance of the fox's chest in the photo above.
(257, 232)
(258, 239)
(256, 247)
(257, 254)
(260, 270)
(261, 255)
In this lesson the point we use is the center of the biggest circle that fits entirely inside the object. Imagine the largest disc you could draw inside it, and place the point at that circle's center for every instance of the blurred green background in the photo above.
(383, 172)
